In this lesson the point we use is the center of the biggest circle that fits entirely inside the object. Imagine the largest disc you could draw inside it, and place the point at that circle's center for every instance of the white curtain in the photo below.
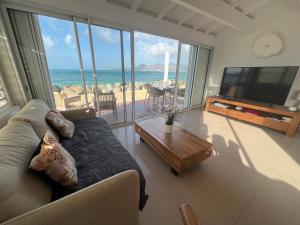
(30, 45)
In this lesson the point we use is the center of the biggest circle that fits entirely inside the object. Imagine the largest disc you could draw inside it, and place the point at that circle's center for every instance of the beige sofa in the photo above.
(25, 196)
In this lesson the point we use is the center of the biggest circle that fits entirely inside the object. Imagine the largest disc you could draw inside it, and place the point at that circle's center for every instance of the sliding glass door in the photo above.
(155, 72)
(90, 66)
(61, 52)
(187, 65)
(112, 60)
(157, 86)
(201, 70)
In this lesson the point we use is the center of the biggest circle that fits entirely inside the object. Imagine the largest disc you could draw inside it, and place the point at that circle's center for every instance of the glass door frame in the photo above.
(78, 47)
(121, 31)
(191, 72)
(190, 75)
(87, 21)
(208, 67)
(177, 75)
(132, 60)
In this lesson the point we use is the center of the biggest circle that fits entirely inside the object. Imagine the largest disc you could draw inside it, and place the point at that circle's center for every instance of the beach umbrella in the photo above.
(166, 72)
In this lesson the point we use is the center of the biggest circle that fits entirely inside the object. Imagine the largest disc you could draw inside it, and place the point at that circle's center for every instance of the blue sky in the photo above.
(59, 41)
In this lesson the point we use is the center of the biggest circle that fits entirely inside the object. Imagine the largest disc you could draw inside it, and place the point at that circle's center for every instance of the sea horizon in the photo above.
(72, 77)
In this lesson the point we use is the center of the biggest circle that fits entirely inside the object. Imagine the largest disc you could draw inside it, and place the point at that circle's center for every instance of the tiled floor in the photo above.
(252, 178)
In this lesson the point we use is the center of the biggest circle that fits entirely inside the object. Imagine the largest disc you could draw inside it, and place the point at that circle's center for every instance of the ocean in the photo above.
(70, 77)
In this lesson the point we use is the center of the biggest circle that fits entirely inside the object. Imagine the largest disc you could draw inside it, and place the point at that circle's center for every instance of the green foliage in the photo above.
(170, 118)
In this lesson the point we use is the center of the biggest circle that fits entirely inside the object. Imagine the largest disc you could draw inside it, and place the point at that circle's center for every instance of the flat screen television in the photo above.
(263, 84)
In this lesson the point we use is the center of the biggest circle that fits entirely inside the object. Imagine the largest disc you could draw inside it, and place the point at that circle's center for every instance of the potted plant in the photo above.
(170, 121)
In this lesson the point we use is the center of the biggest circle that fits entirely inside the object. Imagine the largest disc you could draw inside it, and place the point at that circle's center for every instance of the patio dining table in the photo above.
(164, 88)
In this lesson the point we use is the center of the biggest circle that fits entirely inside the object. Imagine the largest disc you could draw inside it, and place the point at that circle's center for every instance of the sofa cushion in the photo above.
(35, 113)
(63, 126)
(21, 189)
(57, 163)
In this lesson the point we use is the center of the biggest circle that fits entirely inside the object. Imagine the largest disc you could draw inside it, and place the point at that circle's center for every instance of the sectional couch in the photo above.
(26, 197)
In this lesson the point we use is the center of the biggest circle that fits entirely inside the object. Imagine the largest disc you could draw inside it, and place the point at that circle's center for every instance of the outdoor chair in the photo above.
(170, 95)
(154, 94)
(107, 101)
(63, 102)
(147, 87)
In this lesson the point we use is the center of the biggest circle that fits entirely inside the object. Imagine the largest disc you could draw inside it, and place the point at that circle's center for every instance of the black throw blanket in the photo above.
(98, 155)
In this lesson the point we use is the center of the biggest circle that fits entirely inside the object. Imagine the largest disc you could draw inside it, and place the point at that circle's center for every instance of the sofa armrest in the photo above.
(79, 114)
(113, 201)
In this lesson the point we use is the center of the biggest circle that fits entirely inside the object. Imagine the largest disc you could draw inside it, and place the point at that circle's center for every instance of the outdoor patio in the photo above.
(151, 99)
(142, 110)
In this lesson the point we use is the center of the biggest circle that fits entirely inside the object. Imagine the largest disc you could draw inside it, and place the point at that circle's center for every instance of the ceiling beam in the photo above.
(186, 17)
(219, 11)
(110, 15)
(213, 28)
(236, 3)
(167, 8)
(136, 4)
(255, 6)
(203, 22)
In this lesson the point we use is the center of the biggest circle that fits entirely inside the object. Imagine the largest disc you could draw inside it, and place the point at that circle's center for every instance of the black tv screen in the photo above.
(264, 84)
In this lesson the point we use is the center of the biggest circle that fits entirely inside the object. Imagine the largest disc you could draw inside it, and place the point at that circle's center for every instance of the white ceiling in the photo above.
(192, 20)
(177, 13)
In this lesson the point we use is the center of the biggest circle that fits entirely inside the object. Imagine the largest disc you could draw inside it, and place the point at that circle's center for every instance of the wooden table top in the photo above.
(180, 142)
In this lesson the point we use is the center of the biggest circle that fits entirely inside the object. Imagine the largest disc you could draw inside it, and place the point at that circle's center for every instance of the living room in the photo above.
(169, 112)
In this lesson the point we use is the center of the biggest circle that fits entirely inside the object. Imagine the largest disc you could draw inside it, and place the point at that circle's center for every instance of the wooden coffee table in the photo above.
(180, 149)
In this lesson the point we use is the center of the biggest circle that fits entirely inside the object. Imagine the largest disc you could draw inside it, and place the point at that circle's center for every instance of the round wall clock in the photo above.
(267, 45)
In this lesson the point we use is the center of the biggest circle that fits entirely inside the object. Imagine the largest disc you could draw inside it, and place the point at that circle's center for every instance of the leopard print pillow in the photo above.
(57, 163)
(62, 125)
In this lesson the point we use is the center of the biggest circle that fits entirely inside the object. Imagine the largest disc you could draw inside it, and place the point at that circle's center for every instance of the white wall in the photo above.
(235, 49)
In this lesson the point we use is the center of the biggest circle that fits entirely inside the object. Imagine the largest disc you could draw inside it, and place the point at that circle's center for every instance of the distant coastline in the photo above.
(72, 77)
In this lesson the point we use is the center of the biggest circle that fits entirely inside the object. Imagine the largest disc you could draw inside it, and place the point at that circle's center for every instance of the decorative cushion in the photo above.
(58, 164)
(62, 125)
(35, 113)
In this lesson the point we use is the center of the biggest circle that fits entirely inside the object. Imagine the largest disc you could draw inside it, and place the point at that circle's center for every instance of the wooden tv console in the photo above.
(289, 128)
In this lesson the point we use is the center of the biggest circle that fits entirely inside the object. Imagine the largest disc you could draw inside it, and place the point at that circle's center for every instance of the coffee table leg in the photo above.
(175, 173)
